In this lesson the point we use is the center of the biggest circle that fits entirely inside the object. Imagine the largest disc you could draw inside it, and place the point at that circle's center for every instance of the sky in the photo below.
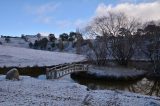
(58, 16)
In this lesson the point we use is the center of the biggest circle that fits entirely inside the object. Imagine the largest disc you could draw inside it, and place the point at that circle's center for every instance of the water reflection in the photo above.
(147, 87)
(144, 86)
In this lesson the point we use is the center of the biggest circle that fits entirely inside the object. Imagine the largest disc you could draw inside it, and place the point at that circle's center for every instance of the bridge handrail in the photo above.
(66, 67)
(63, 66)
(60, 65)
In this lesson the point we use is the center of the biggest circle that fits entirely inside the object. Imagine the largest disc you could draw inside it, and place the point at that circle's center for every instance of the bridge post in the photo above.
(59, 74)
(55, 74)
(74, 69)
(87, 68)
(47, 73)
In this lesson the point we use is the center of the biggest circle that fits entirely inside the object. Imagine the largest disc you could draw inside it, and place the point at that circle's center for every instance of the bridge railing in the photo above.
(64, 69)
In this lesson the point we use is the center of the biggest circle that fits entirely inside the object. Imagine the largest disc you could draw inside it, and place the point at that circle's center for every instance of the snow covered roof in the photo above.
(21, 57)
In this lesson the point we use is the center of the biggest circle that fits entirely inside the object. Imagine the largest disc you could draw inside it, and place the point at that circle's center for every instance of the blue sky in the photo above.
(51, 16)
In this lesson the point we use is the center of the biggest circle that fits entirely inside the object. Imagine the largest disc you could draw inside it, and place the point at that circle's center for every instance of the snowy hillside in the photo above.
(33, 92)
(15, 56)
(19, 41)
(15, 42)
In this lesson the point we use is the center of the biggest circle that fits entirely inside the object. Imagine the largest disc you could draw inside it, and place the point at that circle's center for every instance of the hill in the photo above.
(15, 56)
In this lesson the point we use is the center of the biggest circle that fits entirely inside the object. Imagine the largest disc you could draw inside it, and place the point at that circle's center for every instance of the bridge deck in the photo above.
(64, 69)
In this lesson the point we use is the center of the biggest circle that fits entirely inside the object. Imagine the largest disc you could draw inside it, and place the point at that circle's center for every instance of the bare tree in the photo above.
(99, 30)
(123, 47)
(99, 50)
(79, 41)
(120, 28)
(123, 44)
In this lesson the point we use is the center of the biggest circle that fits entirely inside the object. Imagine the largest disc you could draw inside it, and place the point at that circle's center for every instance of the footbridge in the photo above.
(64, 69)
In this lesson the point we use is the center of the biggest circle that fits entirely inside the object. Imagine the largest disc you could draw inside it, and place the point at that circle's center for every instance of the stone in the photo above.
(12, 74)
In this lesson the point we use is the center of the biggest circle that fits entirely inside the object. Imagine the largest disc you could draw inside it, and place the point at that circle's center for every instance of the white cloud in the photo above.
(145, 11)
(80, 23)
(43, 13)
(136, 1)
(64, 23)
(44, 19)
(42, 9)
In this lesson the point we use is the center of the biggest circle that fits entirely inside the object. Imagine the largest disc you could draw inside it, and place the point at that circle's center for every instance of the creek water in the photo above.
(143, 86)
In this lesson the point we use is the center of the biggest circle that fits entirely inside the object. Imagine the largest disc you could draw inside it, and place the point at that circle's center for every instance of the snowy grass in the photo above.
(116, 71)
(15, 42)
(110, 74)
(34, 92)
(21, 57)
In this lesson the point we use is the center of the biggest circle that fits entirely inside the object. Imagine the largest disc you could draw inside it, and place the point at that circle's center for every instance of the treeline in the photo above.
(122, 39)
(75, 39)
(7, 38)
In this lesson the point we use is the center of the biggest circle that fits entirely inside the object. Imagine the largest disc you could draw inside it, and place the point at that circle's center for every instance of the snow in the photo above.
(115, 71)
(15, 42)
(21, 57)
(19, 42)
(33, 92)
(61, 92)
(64, 78)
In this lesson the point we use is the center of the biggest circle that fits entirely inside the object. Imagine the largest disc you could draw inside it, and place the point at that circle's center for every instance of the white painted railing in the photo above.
(64, 69)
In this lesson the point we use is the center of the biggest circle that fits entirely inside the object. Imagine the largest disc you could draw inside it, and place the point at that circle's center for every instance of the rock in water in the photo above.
(12, 74)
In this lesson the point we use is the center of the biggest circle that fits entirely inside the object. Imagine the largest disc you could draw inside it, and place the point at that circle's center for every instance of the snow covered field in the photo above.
(15, 42)
(33, 92)
(37, 92)
(15, 56)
